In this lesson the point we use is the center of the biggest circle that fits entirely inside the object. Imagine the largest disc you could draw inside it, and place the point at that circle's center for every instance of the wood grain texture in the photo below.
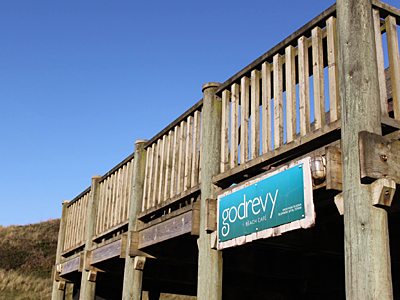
(333, 156)
(334, 101)
(394, 62)
(304, 89)
(244, 119)
(106, 252)
(226, 95)
(266, 126)
(196, 149)
(255, 114)
(278, 100)
(188, 154)
(290, 68)
(234, 157)
(318, 77)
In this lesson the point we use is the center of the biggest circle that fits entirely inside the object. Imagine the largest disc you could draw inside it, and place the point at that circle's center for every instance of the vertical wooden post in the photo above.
(88, 288)
(132, 288)
(367, 257)
(209, 285)
(59, 294)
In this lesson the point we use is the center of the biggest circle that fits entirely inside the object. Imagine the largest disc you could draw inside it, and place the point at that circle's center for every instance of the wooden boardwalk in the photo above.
(151, 223)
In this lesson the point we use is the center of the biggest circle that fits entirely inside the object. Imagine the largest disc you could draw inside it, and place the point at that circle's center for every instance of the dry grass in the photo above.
(14, 285)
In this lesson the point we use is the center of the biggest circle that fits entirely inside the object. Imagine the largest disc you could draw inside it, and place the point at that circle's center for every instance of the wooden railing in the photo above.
(173, 159)
(286, 94)
(75, 233)
(114, 196)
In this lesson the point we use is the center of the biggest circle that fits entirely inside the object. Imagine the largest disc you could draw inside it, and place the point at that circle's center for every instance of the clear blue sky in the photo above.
(80, 81)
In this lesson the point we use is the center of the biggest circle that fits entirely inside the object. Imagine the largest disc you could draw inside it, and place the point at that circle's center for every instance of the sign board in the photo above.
(273, 203)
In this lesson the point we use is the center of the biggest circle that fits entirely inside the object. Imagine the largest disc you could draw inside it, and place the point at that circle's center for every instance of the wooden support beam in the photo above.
(134, 246)
(132, 286)
(367, 254)
(71, 265)
(56, 293)
(209, 284)
(379, 156)
(211, 215)
(333, 158)
(114, 249)
(88, 285)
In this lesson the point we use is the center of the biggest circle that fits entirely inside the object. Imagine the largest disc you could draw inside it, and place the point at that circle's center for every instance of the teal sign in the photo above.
(271, 202)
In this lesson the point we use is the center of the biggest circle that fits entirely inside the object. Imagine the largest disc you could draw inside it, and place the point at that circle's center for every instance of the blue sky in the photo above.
(82, 80)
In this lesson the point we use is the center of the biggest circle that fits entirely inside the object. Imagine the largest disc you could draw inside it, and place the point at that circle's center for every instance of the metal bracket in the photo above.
(139, 262)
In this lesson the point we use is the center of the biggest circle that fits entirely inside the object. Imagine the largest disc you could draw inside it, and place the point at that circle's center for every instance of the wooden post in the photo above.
(132, 288)
(88, 287)
(209, 285)
(59, 294)
(367, 257)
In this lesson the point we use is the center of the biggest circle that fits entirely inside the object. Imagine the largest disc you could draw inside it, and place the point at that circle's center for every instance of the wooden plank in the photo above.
(146, 179)
(181, 163)
(266, 130)
(156, 167)
(234, 126)
(195, 227)
(163, 156)
(318, 77)
(290, 69)
(226, 95)
(255, 114)
(278, 100)
(386, 9)
(201, 141)
(101, 208)
(304, 89)
(288, 151)
(394, 63)
(211, 215)
(188, 154)
(175, 162)
(106, 252)
(108, 204)
(161, 206)
(134, 244)
(167, 230)
(111, 201)
(244, 119)
(333, 73)
(118, 197)
(114, 229)
(196, 149)
(380, 62)
(379, 156)
(333, 156)
(152, 174)
(279, 48)
(168, 170)
(70, 266)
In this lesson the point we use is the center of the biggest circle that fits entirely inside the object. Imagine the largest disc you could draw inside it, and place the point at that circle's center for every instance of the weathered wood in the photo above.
(165, 204)
(234, 126)
(106, 252)
(169, 161)
(380, 62)
(157, 172)
(70, 266)
(278, 101)
(111, 230)
(315, 139)
(304, 90)
(266, 127)
(134, 246)
(244, 119)
(383, 192)
(166, 230)
(181, 163)
(175, 160)
(211, 215)
(333, 157)
(196, 149)
(57, 294)
(88, 287)
(226, 95)
(162, 172)
(334, 101)
(367, 257)
(318, 77)
(188, 154)
(394, 62)
(279, 48)
(195, 229)
(132, 284)
(290, 94)
(209, 284)
(379, 156)
(255, 114)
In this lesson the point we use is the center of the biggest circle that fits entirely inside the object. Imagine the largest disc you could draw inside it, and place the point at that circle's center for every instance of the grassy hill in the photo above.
(27, 254)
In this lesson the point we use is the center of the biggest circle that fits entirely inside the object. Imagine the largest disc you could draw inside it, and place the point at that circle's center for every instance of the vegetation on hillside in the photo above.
(27, 254)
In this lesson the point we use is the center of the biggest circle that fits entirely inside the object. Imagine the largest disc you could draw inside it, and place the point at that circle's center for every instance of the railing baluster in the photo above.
(244, 119)
(266, 107)
(278, 100)
(255, 114)
(318, 77)
(234, 125)
(304, 89)
(394, 62)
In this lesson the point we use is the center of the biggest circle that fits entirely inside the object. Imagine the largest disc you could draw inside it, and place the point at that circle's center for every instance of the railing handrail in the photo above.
(187, 113)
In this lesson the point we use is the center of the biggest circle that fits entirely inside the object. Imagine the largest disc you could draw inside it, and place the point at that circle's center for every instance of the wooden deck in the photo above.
(151, 209)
